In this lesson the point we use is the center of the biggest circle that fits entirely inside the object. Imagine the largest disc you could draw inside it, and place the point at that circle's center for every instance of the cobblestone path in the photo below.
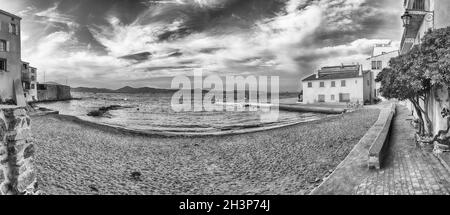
(408, 170)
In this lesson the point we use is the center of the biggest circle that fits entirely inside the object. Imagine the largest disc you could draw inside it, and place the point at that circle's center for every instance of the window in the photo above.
(332, 98)
(377, 65)
(333, 84)
(33, 78)
(322, 84)
(321, 98)
(309, 84)
(368, 83)
(343, 83)
(3, 64)
(344, 97)
(33, 86)
(3, 46)
(13, 29)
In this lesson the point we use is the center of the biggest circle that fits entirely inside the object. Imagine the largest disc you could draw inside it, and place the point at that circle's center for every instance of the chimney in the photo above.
(360, 69)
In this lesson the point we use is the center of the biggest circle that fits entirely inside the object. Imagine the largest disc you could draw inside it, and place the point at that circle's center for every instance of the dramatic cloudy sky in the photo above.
(113, 43)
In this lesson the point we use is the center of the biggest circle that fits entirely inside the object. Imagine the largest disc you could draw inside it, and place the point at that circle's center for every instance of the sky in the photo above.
(145, 43)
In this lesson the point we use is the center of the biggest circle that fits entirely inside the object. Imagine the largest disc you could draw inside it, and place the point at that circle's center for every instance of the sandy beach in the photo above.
(77, 159)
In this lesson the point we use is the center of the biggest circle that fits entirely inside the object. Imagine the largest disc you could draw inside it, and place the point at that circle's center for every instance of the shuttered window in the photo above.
(419, 5)
(3, 46)
(3, 64)
(13, 29)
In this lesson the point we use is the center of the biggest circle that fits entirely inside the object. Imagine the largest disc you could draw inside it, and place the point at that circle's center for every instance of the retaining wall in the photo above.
(17, 172)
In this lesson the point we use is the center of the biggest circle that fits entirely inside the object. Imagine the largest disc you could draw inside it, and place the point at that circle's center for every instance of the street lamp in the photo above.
(406, 19)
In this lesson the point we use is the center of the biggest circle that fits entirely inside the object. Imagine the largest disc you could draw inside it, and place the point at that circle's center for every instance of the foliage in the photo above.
(405, 80)
(435, 57)
(412, 76)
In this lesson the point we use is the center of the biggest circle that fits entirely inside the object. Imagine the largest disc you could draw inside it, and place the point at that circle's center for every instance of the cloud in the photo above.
(108, 43)
(52, 17)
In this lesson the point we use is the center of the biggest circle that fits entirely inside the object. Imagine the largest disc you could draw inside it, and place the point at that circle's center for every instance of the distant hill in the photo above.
(91, 90)
(126, 89)
(132, 90)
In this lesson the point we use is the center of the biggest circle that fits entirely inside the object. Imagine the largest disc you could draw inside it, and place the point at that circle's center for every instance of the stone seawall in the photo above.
(17, 172)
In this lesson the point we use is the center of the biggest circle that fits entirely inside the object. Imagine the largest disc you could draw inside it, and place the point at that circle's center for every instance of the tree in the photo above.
(435, 61)
(414, 75)
(405, 81)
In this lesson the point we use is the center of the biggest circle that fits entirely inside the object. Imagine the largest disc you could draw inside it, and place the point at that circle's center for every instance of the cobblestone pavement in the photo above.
(408, 170)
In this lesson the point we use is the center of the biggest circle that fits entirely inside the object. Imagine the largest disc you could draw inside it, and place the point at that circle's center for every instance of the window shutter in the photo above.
(7, 46)
(10, 28)
(17, 30)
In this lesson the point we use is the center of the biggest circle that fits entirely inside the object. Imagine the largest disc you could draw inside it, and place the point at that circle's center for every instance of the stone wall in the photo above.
(53, 92)
(17, 172)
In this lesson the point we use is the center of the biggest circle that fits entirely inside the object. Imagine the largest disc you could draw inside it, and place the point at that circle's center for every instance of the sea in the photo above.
(153, 111)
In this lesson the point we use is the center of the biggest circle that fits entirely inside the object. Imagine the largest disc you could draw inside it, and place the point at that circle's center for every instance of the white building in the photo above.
(338, 84)
(29, 82)
(10, 55)
(381, 55)
(421, 16)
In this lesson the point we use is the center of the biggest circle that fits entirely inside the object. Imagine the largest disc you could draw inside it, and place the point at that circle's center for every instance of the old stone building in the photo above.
(10, 55)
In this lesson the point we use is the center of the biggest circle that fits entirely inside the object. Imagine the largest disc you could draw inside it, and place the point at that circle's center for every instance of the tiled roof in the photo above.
(331, 76)
(336, 72)
(385, 53)
(9, 14)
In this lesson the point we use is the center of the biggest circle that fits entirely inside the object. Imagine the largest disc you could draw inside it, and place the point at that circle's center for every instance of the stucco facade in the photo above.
(10, 54)
(376, 63)
(338, 86)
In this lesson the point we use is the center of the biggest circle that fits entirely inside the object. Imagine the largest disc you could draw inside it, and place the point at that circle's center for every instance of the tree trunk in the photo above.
(428, 126)
(419, 115)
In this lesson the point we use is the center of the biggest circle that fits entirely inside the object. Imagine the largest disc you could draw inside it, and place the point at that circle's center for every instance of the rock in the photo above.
(94, 113)
(136, 176)
(103, 111)
(93, 188)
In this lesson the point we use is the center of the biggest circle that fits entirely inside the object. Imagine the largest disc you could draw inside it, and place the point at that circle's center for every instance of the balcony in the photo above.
(417, 5)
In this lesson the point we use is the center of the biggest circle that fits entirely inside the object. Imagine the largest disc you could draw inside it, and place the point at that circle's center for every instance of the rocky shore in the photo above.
(79, 159)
